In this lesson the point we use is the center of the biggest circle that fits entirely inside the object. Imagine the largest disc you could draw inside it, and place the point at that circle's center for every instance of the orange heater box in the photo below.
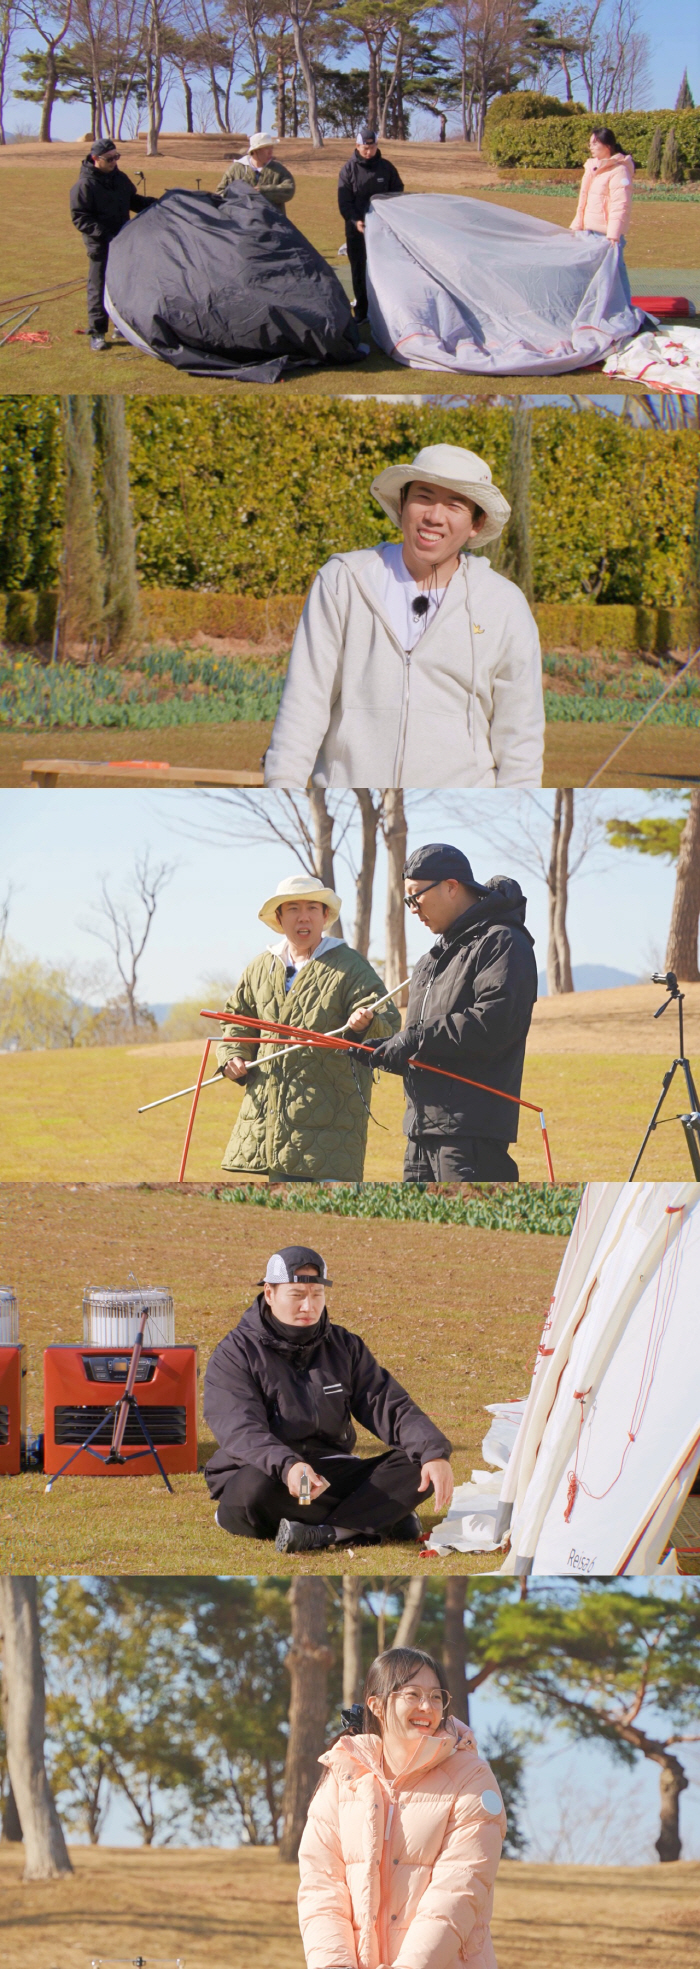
(83, 1383)
(12, 1424)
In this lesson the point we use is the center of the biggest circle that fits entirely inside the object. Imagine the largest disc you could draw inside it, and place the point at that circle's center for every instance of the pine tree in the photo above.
(655, 153)
(119, 542)
(671, 166)
(82, 594)
(685, 99)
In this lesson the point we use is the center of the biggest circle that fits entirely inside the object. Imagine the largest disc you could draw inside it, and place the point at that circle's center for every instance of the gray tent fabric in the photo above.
(227, 287)
(464, 285)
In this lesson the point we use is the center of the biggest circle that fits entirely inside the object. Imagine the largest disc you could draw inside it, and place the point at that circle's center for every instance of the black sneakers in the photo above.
(408, 1531)
(293, 1537)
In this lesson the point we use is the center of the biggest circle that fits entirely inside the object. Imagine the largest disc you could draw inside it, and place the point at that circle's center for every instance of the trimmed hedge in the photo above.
(249, 497)
(173, 615)
(560, 142)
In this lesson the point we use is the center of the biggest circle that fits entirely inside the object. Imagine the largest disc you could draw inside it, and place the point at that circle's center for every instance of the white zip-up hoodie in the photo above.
(464, 708)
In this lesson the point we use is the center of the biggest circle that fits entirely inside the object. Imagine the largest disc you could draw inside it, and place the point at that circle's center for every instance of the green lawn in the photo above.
(37, 234)
(456, 1313)
(72, 1117)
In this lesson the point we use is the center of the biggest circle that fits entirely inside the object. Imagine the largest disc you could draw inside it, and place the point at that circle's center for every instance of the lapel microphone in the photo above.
(420, 606)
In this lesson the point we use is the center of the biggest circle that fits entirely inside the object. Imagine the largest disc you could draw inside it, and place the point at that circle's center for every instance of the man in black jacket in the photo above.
(100, 204)
(366, 176)
(280, 1393)
(469, 1011)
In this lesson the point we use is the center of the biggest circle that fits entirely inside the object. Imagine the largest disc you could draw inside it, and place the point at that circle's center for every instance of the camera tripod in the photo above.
(125, 1405)
(691, 1121)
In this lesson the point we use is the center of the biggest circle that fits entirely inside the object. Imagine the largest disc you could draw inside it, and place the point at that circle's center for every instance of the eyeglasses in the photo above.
(411, 902)
(434, 1697)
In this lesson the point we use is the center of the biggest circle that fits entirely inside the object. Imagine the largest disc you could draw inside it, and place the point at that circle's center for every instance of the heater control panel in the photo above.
(82, 1385)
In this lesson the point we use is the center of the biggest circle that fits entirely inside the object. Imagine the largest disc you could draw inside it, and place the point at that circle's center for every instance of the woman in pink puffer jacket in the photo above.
(404, 1834)
(605, 198)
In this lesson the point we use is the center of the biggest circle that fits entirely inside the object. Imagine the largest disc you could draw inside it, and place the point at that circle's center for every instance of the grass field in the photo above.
(223, 1909)
(35, 182)
(594, 1062)
(456, 1313)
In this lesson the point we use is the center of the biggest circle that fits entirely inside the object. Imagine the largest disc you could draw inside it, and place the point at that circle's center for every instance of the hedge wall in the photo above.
(249, 497)
(174, 615)
(561, 142)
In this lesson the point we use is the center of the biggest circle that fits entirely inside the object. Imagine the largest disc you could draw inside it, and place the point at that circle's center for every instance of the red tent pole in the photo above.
(193, 1110)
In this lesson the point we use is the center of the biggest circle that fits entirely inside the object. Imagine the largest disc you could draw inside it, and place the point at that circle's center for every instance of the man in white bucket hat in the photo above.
(304, 1117)
(260, 169)
(414, 663)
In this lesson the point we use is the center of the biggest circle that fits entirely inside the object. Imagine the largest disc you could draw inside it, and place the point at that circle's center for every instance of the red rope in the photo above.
(646, 1381)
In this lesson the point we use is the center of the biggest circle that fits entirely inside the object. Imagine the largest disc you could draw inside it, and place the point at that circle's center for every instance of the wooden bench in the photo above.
(47, 772)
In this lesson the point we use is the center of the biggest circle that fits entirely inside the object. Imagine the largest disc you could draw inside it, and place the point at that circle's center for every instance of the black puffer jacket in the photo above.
(473, 995)
(100, 204)
(364, 178)
(272, 1402)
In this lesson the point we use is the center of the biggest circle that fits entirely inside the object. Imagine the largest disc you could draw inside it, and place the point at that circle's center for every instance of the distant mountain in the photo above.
(160, 1013)
(592, 977)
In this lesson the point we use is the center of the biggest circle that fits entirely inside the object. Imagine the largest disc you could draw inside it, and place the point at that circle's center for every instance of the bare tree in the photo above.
(395, 831)
(412, 1613)
(308, 1661)
(5, 907)
(50, 19)
(126, 937)
(454, 1650)
(559, 978)
(302, 16)
(682, 947)
(353, 1588)
(371, 815)
(613, 54)
(46, 1857)
(9, 21)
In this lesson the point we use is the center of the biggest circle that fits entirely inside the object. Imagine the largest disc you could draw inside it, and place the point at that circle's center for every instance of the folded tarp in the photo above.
(668, 359)
(462, 284)
(227, 287)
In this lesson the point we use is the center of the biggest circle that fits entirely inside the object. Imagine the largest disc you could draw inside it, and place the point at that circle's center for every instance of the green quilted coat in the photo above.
(305, 1116)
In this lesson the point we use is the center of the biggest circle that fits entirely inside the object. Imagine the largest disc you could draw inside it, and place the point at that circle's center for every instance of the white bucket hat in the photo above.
(299, 888)
(260, 140)
(459, 471)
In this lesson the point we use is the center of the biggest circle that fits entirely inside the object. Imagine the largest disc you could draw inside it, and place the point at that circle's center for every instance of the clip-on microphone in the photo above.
(420, 606)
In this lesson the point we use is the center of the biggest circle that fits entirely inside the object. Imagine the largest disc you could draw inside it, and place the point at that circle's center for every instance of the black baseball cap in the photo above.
(284, 1267)
(103, 146)
(438, 862)
(366, 134)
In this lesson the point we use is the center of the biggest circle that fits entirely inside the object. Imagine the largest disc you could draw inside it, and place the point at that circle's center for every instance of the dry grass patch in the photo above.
(236, 1910)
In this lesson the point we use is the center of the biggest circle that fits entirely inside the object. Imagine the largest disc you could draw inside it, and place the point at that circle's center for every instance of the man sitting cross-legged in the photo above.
(280, 1393)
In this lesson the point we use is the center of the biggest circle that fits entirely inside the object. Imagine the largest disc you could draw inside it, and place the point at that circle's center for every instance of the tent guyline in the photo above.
(655, 1342)
(326, 1041)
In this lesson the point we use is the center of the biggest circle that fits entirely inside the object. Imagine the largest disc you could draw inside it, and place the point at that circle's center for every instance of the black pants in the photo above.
(459, 1159)
(367, 1494)
(357, 256)
(98, 319)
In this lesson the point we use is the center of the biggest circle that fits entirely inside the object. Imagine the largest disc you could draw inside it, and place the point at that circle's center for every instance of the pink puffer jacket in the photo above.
(398, 1873)
(605, 198)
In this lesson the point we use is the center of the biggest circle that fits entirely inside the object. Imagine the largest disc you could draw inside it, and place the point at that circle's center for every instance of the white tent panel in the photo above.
(462, 284)
(635, 1360)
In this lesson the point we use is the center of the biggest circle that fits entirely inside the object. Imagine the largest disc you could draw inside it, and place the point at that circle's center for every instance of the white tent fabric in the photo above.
(608, 1443)
(668, 359)
(461, 284)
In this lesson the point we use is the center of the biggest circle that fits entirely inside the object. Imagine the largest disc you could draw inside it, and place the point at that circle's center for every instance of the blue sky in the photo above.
(674, 35)
(55, 845)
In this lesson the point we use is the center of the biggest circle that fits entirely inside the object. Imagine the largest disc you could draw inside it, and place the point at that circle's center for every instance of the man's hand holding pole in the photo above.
(317, 1485)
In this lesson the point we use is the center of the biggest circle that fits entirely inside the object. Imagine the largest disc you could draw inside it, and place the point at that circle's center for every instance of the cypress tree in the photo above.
(671, 166)
(655, 151)
(516, 559)
(81, 592)
(685, 99)
(119, 540)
